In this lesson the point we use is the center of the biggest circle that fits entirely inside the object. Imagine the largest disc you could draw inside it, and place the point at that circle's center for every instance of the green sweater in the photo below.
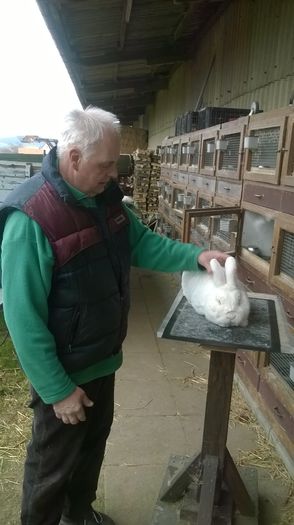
(27, 266)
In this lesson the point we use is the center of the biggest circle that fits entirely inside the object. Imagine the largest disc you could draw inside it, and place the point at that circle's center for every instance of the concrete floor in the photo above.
(159, 412)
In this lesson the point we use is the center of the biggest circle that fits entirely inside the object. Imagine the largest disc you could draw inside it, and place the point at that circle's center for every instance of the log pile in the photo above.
(152, 197)
(146, 176)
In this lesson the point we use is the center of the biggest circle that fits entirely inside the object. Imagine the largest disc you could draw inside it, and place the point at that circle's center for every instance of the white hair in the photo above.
(83, 129)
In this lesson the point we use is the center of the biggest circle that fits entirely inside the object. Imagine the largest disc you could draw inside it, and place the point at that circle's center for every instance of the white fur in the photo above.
(219, 295)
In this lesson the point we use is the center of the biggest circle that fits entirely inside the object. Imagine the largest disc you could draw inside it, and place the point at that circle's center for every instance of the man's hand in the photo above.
(71, 409)
(206, 256)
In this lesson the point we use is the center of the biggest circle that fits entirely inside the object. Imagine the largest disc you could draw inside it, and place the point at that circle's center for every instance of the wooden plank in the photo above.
(143, 85)
(176, 486)
(250, 479)
(210, 471)
(127, 8)
(167, 513)
(237, 487)
(160, 55)
(218, 401)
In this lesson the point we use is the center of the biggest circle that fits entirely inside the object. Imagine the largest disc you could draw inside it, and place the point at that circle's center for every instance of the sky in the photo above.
(35, 87)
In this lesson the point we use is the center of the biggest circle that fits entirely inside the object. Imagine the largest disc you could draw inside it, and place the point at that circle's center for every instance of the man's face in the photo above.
(91, 175)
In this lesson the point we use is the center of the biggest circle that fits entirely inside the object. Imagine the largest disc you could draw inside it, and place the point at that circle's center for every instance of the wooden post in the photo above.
(218, 401)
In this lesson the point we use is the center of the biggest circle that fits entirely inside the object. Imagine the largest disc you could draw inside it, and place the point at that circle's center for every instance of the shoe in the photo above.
(94, 518)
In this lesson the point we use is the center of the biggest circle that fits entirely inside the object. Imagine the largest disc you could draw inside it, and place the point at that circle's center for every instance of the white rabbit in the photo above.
(219, 296)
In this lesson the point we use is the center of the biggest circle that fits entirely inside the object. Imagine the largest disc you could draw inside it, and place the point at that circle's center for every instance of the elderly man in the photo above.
(68, 243)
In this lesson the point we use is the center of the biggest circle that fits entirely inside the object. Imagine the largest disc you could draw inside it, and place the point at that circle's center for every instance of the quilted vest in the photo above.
(89, 297)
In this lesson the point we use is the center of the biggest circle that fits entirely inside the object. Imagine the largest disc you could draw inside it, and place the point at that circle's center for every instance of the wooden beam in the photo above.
(208, 490)
(237, 488)
(130, 115)
(140, 85)
(128, 4)
(129, 119)
(218, 401)
(188, 13)
(179, 483)
(123, 102)
(161, 55)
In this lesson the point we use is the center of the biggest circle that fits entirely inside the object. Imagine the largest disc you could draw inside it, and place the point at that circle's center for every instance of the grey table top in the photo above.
(267, 328)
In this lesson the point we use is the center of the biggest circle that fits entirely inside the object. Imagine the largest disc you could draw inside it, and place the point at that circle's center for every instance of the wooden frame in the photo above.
(184, 143)
(204, 196)
(209, 136)
(175, 157)
(210, 212)
(252, 260)
(195, 136)
(202, 231)
(288, 160)
(232, 193)
(261, 122)
(227, 129)
(165, 174)
(177, 190)
(167, 193)
(192, 183)
(204, 185)
(283, 223)
(166, 145)
(223, 202)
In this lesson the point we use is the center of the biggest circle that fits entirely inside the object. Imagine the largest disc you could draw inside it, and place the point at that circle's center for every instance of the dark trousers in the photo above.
(64, 461)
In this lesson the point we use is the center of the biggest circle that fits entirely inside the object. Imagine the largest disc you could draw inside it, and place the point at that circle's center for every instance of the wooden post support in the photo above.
(218, 401)
(210, 469)
(181, 480)
(237, 488)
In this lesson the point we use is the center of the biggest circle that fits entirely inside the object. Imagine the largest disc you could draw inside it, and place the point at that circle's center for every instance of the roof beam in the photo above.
(132, 111)
(129, 118)
(141, 85)
(190, 8)
(117, 105)
(161, 55)
(107, 98)
(128, 4)
(138, 107)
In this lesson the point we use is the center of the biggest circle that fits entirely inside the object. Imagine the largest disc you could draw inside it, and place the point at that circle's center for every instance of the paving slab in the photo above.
(133, 504)
(146, 366)
(144, 398)
(141, 337)
(145, 440)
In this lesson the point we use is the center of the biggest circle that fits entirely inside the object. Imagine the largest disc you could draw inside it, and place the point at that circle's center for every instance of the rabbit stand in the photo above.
(219, 295)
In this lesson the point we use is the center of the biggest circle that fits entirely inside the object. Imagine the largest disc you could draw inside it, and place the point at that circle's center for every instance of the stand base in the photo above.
(185, 510)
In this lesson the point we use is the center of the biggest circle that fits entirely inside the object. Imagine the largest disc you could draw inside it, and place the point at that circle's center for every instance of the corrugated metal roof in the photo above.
(119, 53)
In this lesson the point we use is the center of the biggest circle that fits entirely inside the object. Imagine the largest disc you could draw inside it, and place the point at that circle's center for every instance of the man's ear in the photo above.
(75, 158)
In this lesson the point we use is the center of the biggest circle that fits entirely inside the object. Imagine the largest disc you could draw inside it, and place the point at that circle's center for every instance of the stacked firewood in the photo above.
(141, 178)
(152, 197)
(146, 175)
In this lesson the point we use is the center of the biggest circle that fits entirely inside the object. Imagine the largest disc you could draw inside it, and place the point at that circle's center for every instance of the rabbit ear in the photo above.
(231, 271)
(218, 273)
